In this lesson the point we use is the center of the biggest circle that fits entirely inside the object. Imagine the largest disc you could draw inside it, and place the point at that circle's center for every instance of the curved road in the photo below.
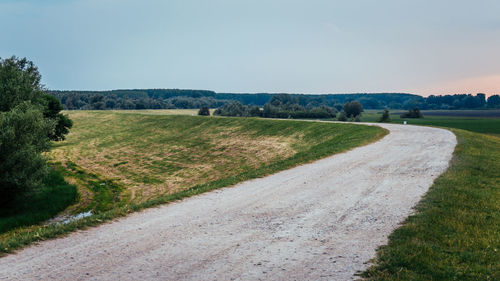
(322, 220)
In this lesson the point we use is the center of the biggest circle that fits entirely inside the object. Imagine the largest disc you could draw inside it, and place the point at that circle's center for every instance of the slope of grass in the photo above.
(148, 156)
(455, 233)
(32, 208)
(122, 163)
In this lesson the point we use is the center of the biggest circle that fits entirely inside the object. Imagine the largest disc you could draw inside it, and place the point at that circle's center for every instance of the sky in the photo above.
(294, 46)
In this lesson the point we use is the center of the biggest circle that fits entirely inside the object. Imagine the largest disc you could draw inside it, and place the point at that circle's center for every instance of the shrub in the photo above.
(231, 109)
(204, 111)
(342, 116)
(413, 113)
(385, 116)
(353, 109)
(254, 111)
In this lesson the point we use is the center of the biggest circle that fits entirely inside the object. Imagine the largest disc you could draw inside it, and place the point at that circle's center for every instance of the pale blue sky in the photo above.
(259, 46)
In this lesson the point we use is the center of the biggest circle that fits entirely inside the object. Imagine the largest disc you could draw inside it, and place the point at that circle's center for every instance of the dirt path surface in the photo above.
(322, 220)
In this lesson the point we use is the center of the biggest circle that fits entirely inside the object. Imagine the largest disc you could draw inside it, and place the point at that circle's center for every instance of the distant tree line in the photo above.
(279, 106)
(184, 99)
(101, 101)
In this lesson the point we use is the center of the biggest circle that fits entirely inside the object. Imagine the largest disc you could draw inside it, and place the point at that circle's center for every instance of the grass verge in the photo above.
(455, 232)
(315, 141)
(54, 196)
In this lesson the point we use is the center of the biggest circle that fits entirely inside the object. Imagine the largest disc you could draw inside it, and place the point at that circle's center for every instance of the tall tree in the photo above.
(20, 82)
(23, 137)
(29, 119)
(353, 109)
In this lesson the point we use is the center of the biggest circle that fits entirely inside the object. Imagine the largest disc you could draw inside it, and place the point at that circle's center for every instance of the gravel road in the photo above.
(322, 220)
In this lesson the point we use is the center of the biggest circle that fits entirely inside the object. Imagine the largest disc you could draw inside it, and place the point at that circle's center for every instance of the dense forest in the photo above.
(184, 99)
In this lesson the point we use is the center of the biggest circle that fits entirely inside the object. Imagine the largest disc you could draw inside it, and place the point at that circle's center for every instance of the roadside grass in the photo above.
(455, 231)
(100, 194)
(479, 121)
(120, 162)
(40, 205)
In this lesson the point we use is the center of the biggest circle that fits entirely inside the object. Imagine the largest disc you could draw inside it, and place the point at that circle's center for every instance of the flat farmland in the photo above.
(479, 121)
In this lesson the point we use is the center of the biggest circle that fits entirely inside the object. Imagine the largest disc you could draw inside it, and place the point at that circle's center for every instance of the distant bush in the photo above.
(353, 109)
(385, 116)
(342, 117)
(204, 111)
(412, 113)
(231, 109)
(254, 111)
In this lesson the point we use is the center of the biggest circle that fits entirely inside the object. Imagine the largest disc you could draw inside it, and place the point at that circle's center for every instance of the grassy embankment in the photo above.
(126, 162)
(455, 232)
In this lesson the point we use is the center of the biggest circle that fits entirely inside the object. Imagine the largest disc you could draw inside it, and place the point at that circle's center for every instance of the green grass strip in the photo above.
(455, 232)
(53, 197)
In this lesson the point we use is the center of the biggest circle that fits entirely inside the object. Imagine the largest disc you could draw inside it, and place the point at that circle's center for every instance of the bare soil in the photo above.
(322, 220)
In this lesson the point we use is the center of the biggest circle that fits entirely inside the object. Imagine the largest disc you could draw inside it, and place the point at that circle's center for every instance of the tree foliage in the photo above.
(385, 116)
(19, 82)
(29, 119)
(353, 109)
(413, 113)
(204, 111)
(238, 110)
(289, 106)
(52, 111)
(23, 137)
(175, 98)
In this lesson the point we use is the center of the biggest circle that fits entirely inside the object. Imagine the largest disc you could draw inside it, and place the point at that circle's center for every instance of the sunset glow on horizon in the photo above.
(488, 85)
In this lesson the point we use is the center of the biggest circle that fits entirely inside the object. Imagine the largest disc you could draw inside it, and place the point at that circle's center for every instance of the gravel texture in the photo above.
(322, 220)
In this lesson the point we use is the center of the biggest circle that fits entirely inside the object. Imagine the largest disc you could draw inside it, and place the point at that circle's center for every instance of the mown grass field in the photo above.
(126, 161)
(480, 121)
(148, 156)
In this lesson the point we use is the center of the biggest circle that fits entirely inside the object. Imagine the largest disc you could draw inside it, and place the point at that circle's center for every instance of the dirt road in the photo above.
(317, 221)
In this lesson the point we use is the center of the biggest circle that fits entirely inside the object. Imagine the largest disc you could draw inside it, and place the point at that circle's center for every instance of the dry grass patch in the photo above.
(158, 155)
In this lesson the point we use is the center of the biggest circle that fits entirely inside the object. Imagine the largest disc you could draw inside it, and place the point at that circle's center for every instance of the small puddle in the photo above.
(76, 217)
(67, 219)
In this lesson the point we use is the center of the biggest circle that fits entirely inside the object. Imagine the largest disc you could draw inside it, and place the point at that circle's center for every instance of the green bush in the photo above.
(204, 111)
(412, 113)
(342, 116)
(385, 116)
(353, 109)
